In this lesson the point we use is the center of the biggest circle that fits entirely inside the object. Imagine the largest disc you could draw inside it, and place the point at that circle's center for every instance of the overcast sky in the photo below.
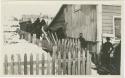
(17, 10)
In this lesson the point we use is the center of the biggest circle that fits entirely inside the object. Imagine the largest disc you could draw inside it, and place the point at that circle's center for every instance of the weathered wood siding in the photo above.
(108, 11)
(81, 19)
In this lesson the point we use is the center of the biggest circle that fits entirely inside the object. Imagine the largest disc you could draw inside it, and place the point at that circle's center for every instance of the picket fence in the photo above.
(67, 58)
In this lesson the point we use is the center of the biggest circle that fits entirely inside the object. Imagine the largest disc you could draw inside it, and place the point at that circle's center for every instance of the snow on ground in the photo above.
(17, 46)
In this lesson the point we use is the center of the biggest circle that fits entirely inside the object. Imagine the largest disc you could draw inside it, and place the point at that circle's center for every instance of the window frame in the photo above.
(114, 17)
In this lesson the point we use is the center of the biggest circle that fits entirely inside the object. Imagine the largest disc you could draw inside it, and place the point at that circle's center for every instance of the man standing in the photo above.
(82, 41)
(107, 48)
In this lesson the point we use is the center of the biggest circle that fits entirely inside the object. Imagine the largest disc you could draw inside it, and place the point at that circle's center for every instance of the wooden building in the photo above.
(95, 20)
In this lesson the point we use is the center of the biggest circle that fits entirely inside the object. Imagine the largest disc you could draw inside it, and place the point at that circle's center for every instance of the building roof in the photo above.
(58, 13)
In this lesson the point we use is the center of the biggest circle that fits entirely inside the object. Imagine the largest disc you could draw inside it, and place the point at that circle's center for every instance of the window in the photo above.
(117, 27)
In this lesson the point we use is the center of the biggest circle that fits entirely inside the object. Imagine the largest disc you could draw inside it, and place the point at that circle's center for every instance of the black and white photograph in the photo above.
(61, 38)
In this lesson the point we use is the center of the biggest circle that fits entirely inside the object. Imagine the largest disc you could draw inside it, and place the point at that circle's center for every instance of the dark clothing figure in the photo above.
(106, 50)
(116, 60)
(82, 42)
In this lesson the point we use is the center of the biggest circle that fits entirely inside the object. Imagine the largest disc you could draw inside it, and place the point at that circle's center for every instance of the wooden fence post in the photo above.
(31, 64)
(5, 65)
(37, 64)
(48, 64)
(43, 62)
(73, 64)
(53, 59)
(12, 64)
(69, 63)
(19, 64)
(64, 62)
(25, 64)
(59, 63)
(83, 62)
(88, 63)
(79, 62)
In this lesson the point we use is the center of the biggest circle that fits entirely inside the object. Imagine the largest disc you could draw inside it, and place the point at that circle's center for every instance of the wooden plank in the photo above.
(59, 64)
(88, 64)
(55, 42)
(48, 64)
(19, 64)
(5, 65)
(107, 32)
(66, 56)
(64, 62)
(110, 7)
(108, 18)
(83, 62)
(53, 59)
(111, 14)
(79, 62)
(69, 63)
(56, 36)
(112, 11)
(107, 21)
(43, 63)
(31, 64)
(25, 64)
(50, 37)
(37, 64)
(107, 28)
(73, 64)
(12, 64)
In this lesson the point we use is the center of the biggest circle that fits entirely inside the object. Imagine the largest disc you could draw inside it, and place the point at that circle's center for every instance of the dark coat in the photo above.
(83, 43)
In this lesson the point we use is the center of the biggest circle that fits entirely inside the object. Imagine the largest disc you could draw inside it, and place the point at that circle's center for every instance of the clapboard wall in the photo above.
(108, 11)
